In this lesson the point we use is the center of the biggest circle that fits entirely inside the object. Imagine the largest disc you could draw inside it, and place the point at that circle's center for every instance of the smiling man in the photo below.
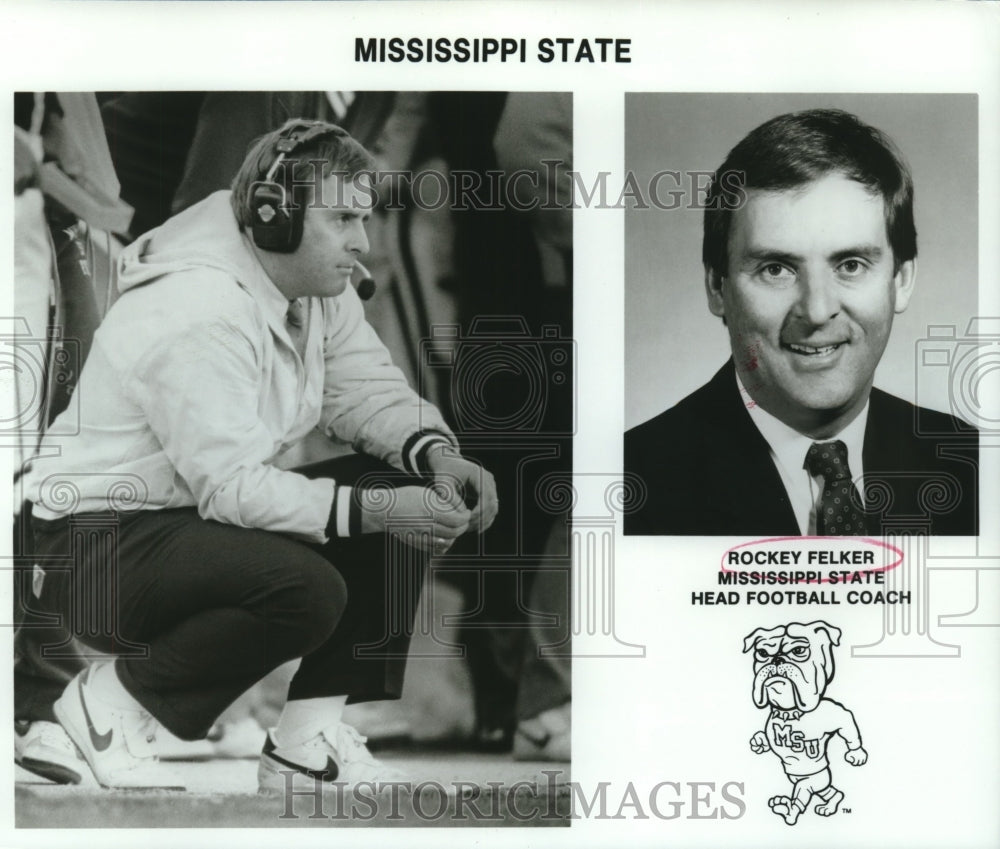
(235, 335)
(806, 266)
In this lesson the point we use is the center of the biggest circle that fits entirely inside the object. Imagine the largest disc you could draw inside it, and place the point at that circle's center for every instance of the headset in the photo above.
(277, 218)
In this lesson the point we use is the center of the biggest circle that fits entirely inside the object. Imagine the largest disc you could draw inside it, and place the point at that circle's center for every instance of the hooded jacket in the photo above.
(193, 388)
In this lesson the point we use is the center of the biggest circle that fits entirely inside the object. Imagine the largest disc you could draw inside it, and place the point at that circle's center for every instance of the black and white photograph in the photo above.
(803, 272)
(295, 365)
(438, 415)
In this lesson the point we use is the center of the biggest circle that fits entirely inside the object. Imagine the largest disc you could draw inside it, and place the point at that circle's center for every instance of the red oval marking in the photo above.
(829, 541)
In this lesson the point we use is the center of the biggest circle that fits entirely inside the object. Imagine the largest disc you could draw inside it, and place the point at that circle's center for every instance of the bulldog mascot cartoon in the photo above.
(793, 664)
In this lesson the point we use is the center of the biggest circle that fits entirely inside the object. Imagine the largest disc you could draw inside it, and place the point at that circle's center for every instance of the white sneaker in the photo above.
(44, 749)
(169, 747)
(337, 755)
(235, 740)
(119, 744)
(546, 736)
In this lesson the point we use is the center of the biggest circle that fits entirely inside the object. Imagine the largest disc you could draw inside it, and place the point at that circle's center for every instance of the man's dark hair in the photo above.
(794, 149)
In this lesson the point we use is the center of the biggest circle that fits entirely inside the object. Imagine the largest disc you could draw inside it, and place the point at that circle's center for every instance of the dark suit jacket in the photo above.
(707, 469)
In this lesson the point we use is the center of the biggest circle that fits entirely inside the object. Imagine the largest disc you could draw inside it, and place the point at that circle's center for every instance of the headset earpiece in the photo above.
(277, 216)
(277, 225)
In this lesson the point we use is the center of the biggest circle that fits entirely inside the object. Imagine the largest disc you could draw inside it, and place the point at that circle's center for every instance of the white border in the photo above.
(625, 715)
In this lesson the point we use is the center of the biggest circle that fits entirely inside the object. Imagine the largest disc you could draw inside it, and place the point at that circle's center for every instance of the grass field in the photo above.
(449, 790)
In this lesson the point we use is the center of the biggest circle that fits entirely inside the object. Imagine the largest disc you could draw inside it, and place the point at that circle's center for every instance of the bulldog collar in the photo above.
(778, 713)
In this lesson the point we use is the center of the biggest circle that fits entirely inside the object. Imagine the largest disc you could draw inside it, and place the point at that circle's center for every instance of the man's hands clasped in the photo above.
(467, 483)
(461, 498)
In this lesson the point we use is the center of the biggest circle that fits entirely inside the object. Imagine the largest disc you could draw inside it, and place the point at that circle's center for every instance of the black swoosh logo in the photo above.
(328, 773)
(99, 741)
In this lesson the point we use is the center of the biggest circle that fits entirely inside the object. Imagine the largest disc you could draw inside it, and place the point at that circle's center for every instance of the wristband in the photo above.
(354, 512)
(345, 513)
(415, 451)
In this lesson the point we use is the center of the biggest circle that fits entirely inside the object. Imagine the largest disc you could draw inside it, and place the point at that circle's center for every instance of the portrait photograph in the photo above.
(800, 313)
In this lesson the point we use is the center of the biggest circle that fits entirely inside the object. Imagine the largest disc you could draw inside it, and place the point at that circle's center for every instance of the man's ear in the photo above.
(904, 281)
(713, 289)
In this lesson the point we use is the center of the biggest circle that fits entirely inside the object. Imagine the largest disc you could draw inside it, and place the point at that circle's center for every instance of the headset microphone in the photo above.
(366, 285)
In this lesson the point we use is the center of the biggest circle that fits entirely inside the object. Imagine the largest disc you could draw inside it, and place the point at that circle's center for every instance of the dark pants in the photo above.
(198, 611)
(40, 674)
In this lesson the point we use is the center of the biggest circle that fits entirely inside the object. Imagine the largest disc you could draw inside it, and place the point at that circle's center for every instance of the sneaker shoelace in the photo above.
(351, 745)
(52, 735)
(144, 734)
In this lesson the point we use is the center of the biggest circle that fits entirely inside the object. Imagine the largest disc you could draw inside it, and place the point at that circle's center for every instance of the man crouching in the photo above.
(237, 333)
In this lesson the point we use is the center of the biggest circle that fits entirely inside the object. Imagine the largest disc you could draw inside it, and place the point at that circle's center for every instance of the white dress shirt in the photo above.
(788, 450)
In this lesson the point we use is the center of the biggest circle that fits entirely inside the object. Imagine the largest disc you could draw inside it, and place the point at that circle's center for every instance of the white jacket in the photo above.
(193, 388)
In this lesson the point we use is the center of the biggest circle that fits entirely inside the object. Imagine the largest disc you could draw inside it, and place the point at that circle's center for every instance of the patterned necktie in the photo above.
(295, 320)
(840, 512)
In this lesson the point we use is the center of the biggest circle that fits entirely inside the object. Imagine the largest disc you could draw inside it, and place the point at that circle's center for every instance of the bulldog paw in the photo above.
(829, 807)
(856, 757)
(784, 807)
(758, 743)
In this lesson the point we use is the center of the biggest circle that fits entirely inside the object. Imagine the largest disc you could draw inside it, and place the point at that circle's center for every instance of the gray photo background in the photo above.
(673, 344)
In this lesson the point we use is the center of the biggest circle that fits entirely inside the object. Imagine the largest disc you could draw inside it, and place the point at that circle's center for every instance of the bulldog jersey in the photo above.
(800, 739)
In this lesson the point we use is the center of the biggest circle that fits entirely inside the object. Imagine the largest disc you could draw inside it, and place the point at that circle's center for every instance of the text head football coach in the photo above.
(810, 251)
